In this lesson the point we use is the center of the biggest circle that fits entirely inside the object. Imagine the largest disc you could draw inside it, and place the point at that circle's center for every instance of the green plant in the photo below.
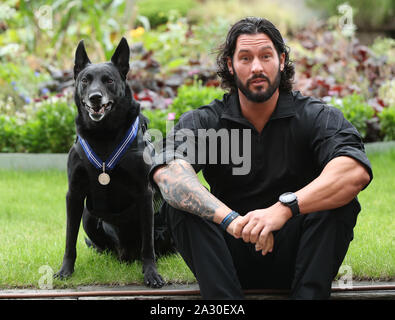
(355, 110)
(159, 11)
(367, 13)
(384, 47)
(9, 134)
(387, 92)
(192, 97)
(387, 123)
(170, 44)
(52, 130)
(157, 119)
(189, 97)
(45, 127)
(52, 28)
(21, 83)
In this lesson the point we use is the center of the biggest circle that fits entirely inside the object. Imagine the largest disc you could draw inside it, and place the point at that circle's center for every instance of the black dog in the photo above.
(107, 175)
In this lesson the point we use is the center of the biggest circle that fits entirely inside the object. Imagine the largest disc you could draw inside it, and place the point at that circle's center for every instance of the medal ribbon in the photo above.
(113, 159)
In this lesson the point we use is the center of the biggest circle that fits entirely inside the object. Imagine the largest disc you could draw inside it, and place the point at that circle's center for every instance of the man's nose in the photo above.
(256, 66)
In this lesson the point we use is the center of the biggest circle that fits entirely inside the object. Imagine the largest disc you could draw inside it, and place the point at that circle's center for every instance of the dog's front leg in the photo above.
(151, 276)
(75, 207)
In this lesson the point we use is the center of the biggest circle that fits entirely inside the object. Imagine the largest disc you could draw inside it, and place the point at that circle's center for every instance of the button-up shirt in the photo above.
(249, 170)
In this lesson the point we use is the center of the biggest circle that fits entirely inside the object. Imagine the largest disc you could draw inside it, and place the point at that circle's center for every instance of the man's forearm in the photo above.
(340, 182)
(182, 189)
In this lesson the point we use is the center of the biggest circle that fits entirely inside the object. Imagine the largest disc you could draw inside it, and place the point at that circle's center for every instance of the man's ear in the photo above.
(282, 61)
(230, 65)
(120, 58)
(81, 59)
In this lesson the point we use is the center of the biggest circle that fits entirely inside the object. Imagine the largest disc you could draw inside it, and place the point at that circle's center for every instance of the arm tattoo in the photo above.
(182, 189)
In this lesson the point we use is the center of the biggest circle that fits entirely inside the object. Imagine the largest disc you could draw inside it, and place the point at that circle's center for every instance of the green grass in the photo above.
(372, 252)
(32, 233)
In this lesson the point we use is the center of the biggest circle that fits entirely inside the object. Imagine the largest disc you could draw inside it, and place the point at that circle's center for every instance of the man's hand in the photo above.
(257, 226)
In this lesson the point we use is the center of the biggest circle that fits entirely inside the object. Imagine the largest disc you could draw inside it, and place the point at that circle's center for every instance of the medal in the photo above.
(113, 159)
(104, 178)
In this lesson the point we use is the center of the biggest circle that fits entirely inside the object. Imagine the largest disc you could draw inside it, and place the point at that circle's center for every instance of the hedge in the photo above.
(51, 128)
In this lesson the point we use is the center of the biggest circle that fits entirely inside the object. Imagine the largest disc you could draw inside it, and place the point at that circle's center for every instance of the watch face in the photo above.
(287, 197)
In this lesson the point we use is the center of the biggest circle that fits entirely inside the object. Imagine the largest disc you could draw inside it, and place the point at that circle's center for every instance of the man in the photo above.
(290, 219)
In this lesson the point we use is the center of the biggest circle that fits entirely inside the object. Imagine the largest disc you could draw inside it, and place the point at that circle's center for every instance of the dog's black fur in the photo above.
(118, 216)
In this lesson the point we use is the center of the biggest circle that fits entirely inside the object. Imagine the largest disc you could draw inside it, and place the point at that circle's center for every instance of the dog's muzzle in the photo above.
(97, 113)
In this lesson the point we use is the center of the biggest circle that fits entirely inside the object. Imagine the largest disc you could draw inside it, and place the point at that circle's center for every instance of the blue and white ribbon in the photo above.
(113, 159)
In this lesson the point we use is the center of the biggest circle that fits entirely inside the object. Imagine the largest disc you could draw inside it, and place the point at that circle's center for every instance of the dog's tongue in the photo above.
(100, 111)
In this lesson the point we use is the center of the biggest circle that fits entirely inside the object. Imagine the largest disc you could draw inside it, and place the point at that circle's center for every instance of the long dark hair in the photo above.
(253, 25)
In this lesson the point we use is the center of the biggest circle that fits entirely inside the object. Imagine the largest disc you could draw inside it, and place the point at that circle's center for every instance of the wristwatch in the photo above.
(290, 200)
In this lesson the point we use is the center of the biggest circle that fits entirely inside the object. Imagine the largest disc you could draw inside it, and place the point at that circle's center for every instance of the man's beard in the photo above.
(260, 96)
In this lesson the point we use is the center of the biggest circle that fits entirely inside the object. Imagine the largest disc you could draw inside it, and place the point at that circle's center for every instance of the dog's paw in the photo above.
(62, 274)
(153, 279)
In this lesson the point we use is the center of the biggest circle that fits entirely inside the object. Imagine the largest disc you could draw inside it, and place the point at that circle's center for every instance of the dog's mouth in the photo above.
(97, 113)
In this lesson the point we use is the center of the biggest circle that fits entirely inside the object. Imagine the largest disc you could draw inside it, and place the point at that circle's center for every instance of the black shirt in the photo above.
(300, 138)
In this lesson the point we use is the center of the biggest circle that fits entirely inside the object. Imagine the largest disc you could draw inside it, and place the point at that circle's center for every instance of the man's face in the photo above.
(256, 66)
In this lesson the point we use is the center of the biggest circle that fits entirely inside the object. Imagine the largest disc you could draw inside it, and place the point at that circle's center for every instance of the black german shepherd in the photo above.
(107, 175)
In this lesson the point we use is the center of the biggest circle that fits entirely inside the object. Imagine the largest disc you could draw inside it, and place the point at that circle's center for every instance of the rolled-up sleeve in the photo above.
(333, 136)
(182, 142)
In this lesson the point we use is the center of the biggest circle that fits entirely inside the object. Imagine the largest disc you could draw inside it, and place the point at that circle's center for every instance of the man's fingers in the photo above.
(265, 242)
(251, 231)
(270, 242)
(246, 231)
(254, 234)
(238, 225)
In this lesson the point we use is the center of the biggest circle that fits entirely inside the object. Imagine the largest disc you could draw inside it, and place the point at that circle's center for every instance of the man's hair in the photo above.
(252, 25)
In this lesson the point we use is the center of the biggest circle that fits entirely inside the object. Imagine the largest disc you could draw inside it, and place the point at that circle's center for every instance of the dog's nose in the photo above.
(95, 98)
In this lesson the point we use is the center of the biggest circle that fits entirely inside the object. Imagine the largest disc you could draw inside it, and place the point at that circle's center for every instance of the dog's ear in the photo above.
(120, 58)
(81, 59)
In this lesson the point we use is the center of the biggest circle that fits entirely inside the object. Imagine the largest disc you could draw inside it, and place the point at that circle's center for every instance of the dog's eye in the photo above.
(110, 81)
(84, 80)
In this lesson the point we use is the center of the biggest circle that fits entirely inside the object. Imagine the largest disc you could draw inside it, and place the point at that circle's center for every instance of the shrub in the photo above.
(192, 97)
(52, 130)
(47, 127)
(387, 123)
(355, 110)
(158, 11)
(9, 134)
(189, 97)
(157, 119)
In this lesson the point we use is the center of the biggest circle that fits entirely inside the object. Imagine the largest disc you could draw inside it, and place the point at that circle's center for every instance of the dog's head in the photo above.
(99, 86)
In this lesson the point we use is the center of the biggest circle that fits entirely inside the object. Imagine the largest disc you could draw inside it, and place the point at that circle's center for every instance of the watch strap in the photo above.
(294, 208)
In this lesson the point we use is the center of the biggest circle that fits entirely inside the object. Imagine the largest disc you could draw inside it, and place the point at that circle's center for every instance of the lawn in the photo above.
(32, 233)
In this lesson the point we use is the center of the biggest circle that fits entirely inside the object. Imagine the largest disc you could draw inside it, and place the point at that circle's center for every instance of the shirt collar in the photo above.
(284, 108)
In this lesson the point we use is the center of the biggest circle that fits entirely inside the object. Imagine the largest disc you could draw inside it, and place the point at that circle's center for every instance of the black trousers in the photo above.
(307, 254)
